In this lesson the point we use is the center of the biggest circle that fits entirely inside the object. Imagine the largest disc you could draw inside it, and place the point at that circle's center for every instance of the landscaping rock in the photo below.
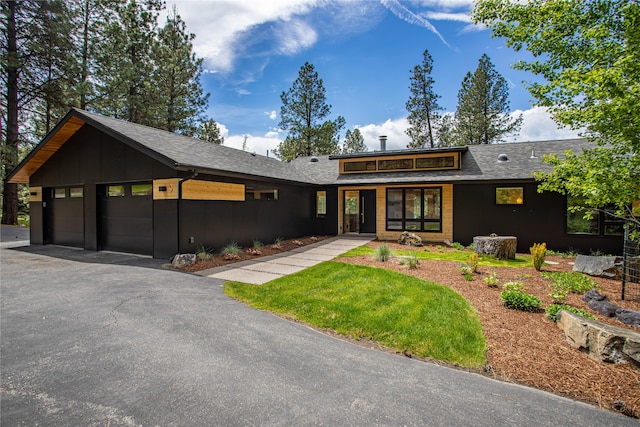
(600, 341)
(183, 260)
(410, 239)
(628, 317)
(603, 307)
(593, 295)
(601, 266)
(502, 247)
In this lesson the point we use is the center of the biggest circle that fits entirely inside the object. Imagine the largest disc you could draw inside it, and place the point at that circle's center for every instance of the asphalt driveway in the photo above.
(121, 342)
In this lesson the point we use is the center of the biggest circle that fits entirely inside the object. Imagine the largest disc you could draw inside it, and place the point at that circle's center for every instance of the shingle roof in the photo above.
(479, 162)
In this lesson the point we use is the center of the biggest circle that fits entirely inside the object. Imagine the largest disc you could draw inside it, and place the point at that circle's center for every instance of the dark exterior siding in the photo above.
(540, 219)
(328, 224)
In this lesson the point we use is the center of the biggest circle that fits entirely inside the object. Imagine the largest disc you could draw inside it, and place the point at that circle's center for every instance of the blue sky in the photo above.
(362, 49)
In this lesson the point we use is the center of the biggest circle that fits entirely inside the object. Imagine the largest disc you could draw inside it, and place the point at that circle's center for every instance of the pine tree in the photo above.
(353, 142)
(482, 115)
(210, 132)
(303, 114)
(422, 105)
(177, 76)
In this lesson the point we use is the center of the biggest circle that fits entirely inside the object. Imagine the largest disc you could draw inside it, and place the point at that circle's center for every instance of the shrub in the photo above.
(570, 281)
(410, 261)
(513, 286)
(472, 262)
(518, 300)
(553, 309)
(202, 253)
(457, 246)
(538, 253)
(257, 244)
(382, 253)
(231, 249)
(492, 280)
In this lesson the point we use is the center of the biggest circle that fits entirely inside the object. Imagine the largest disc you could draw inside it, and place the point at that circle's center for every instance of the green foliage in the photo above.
(278, 241)
(513, 286)
(422, 105)
(382, 253)
(586, 53)
(396, 310)
(410, 261)
(257, 244)
(518, 300)
(538, 254)
(472, 262)
(482, 115)
(210, 132)
(492, 280)
(202, 254)
(231, 249)
(552, 311)
(303, 115)
(457, 246)
(570, 281)
(353, 142)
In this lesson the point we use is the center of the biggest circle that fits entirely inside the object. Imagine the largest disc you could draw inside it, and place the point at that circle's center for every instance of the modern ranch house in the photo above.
(103, 184)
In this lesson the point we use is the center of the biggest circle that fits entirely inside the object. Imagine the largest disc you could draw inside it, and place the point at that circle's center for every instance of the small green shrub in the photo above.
(472, 262)
(411, 261)
(231, 249)
(492, 280)
(538, 253)
(570, 281)
(457, 246)
(257, 244)
(518, 300)
(382, 253)
(513, 286)
(468, 276)
(202, 253)
(553, 309)
(559, 295)
(465, 269)
(278, 241)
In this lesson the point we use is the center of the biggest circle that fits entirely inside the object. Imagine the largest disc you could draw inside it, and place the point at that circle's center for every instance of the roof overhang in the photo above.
(47, 148)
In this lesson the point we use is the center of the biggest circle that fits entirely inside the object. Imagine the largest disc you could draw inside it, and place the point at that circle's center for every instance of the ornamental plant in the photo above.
(553, 309)
(518, 300)
(538, 253)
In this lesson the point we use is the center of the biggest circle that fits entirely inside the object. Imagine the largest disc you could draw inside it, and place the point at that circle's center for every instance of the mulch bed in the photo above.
(522, 347)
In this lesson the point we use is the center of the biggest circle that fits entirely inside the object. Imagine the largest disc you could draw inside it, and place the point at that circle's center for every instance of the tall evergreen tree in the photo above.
(303, 114)
(353, 142)
(210, 132)
(181, 99)
(482, 115)
(422, 105)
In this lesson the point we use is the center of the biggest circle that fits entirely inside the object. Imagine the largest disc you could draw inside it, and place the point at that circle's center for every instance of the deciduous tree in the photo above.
(588, 53)
(304, 114)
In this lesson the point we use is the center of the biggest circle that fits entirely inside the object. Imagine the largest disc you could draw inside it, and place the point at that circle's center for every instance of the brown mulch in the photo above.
(524, 348)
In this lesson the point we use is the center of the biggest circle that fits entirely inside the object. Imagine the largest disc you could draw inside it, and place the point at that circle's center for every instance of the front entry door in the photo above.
(360, 211)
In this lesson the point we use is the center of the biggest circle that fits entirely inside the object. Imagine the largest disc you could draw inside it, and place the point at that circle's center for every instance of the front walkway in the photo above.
(265, 269)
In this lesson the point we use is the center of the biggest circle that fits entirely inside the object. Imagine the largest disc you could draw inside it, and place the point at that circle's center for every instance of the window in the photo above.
(444, 162)
(76, 192)
(362, 166)
(321, 203)
(115, 190)
(60, 193)
(141, 189)
(509, 196)
(387, 165)
(584, 220)
(414, 209)
(252, 193)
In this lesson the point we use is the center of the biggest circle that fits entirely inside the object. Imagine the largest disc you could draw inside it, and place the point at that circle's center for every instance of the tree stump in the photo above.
(502, 247)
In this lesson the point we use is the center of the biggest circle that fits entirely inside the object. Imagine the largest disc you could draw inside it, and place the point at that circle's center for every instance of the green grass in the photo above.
(455, 255)
(394, 309)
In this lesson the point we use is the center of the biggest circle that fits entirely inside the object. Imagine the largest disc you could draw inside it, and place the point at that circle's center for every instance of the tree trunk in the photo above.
(502, 247)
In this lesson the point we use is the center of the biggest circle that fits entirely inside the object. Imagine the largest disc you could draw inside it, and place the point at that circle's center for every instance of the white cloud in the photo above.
(294, 37)
(397, 139)
(255, 144)
(272, 114)
(538, 125)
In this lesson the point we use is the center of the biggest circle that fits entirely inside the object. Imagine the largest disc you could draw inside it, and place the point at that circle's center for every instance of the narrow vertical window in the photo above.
(321, 203)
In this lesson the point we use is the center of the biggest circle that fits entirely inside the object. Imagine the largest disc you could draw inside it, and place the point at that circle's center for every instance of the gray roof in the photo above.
(479, 163)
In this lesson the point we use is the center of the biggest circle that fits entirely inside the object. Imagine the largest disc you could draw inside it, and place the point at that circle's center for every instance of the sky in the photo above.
(363, 50)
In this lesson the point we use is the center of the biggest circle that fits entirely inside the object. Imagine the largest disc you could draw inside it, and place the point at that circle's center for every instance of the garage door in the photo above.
(126, 217)
(64, 216)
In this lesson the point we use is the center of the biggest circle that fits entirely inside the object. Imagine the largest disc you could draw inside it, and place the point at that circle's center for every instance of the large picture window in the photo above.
(592, 222)
(414, 209)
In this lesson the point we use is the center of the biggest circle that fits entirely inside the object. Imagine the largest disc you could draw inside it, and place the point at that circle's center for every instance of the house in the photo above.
(104, 184)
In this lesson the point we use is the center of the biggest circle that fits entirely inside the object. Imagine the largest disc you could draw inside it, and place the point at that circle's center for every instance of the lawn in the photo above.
(393, 309)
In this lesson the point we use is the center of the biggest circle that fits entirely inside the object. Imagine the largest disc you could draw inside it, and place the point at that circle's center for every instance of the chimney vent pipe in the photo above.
(383, 142)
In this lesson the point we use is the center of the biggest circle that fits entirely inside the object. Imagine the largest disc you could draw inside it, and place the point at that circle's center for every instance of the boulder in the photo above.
(411, 239)
(593, 295)
(502, 247)
(601, 266)
(602, 342)
(603, 307)
(183, 260)
(628, 317)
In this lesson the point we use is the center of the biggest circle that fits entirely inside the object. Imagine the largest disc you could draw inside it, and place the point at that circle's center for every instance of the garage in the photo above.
(125, 217)
(63, 213)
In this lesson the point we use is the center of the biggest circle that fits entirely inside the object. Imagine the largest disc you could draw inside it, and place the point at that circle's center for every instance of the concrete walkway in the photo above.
(265, 269)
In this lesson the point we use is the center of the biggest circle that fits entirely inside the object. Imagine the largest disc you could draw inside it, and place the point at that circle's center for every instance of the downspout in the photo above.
(193, 175)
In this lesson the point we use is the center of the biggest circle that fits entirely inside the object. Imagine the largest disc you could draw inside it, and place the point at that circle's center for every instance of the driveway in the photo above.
(119, 342)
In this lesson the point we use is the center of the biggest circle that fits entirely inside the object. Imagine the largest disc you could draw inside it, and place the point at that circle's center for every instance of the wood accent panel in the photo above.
(208, 190)
(169, 190)
(35, 194)
(455, 155)
(381, 212)
(46, 150)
